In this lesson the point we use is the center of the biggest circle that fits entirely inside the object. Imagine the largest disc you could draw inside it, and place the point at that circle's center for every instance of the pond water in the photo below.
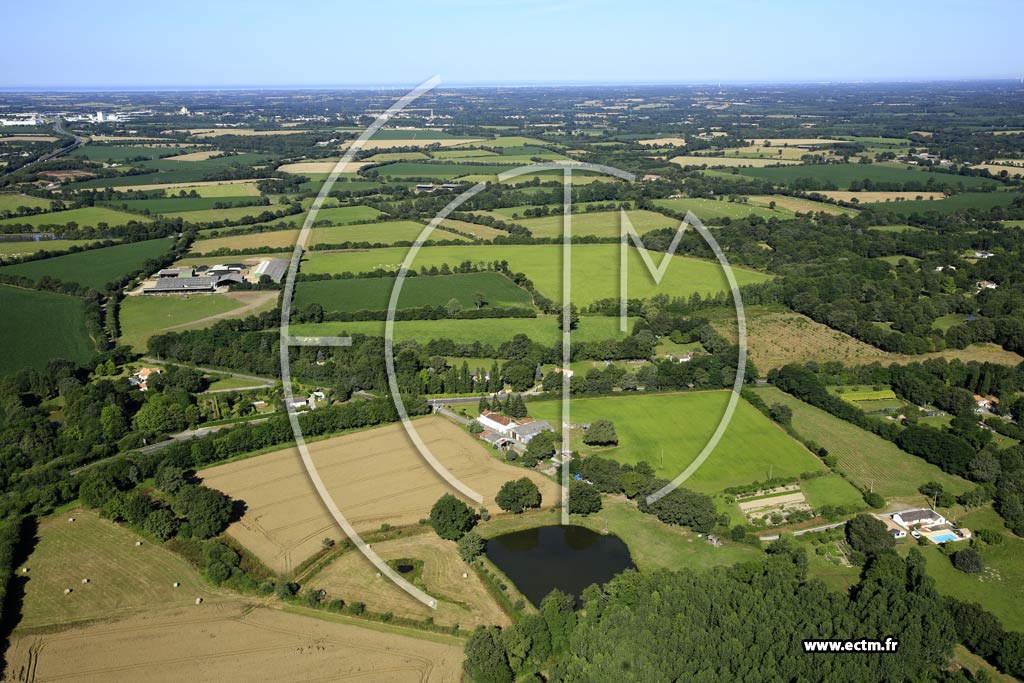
(405, 568)
(569, 558)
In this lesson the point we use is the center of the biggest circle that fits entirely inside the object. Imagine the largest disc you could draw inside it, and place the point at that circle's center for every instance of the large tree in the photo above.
(451, 518)
(517, 495)
(868, 535)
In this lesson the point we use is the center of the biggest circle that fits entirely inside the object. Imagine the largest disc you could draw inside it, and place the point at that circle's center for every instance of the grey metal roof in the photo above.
(274, 269)
(530, 429)
(183, 284)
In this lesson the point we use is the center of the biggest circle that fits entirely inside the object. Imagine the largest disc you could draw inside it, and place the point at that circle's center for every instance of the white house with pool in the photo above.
(930, 524)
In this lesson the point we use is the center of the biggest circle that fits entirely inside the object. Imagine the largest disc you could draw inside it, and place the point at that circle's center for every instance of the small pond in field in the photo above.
(569, 558)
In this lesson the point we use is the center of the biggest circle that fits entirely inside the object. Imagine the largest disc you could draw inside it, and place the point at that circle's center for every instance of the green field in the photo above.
(91, 216)
(121, 153)
(377, 233)
(595, 268)
(1000, 586)
(599, 223)
(232, 214)
(371, 294)
(93, 268)
(11, 202)
(543, 330)
(180, 204)
(844, 174)
(982, 201)
(832, 489)
(681, 424)
(868, 460)
(40, 326)
(22, 248)
(855, 394)
(896, 228)
(710, 210)
(142, 317)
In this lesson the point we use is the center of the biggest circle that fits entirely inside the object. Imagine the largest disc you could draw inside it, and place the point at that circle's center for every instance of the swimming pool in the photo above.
(945, 537)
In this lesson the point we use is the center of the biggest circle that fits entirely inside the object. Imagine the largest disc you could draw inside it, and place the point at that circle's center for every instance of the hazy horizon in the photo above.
(193, 45)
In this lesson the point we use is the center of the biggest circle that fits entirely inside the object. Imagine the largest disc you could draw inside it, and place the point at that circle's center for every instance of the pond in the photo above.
(569, 558)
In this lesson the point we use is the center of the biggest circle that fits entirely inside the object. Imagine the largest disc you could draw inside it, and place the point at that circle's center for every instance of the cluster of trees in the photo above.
(660, 626)
(681, 507)
(518, 495)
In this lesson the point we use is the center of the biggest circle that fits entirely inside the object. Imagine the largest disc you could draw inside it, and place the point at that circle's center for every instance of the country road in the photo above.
(258, 382)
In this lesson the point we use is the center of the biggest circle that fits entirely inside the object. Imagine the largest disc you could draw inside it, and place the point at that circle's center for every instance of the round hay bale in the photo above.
(85, 580)
(199, 601)
(177, 583)
(138, 543)
(24, 570)
(378, 575)
(67, 591)
(71, 519)
(465, 575)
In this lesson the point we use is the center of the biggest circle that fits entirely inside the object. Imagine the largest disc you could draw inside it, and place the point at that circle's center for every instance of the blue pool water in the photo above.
(944, 538)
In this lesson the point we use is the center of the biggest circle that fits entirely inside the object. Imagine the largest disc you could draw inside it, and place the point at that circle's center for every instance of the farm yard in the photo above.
(95, 267)
(217, 641)
(593, 264)
(39, 326)
(376, 477)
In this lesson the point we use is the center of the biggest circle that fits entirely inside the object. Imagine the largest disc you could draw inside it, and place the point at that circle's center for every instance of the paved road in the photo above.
(258, 382)
(192, 433)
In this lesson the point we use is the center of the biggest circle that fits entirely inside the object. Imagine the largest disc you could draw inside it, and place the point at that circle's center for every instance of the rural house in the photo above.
(918, 517)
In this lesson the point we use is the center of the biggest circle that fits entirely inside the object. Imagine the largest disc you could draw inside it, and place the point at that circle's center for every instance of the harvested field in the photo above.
(232, 188)
(27, 138)
(217, 132)
(874, 197)
(793, 142)
(675, 142)
(412, 142)
(712, 162)
(462, 601)
(376, 476)
(145, 316)
(321, 166)
(195, 156)
(221, 642)
(996, 169)
(123, 578)
(480, 231)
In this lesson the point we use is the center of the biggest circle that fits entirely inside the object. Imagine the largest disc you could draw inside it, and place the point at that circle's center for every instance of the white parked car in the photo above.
(915, 534)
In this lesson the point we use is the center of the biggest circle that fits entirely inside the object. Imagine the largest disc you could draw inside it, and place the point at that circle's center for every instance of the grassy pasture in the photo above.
(121, 153)
(436, 290)
(435, 171)
(278, 239)
(31, 247)
(10, 202)
(729, 161)
(599, 223)
(234, 213)
(751, 446)
(376, 233)
(180, 204)
(896, 228)
(212, 188)
(877, 197)
(865, 458)
(39, 326)
(93, 268)
(711, 210)
(796, 205)
(958, 202)
(479, 231)
(594, 268)
(86, 216)
(123, 578)
(145, 316)
(494, 331)
(844, 174)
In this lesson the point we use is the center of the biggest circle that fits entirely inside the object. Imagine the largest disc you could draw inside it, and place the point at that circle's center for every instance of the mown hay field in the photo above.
(460, 600)
(729, 162)
(86, 216)
(215, 642)
(375, 476)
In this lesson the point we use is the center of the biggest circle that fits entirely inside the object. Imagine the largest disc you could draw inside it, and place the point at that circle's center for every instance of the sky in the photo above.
(188, 43)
